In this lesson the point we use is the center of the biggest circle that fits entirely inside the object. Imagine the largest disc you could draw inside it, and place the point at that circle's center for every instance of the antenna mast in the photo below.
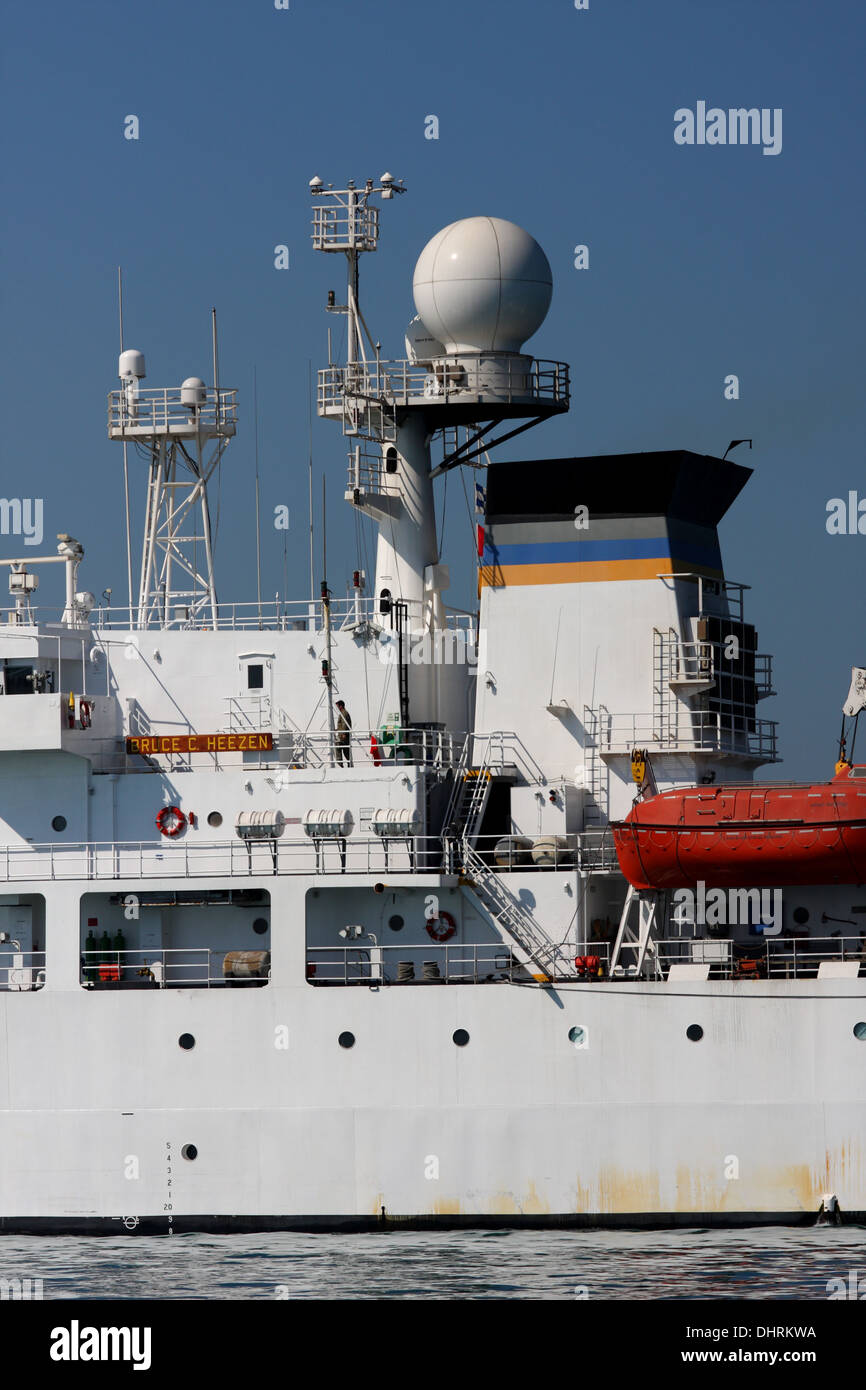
(125, 460)
(183, 431)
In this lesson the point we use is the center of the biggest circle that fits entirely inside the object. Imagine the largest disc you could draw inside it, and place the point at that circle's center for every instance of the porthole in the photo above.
(189, 1151)
(214, 819)
(860, 1032)
(694, 1032)
(260, 926)
(186, 1041)
(460, 1038)
(578, 1035)
(58, 823)
(396, 922)
(800, 916)
(346, 1040)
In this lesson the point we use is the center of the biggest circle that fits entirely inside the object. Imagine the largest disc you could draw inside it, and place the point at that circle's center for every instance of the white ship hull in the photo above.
(755, 1123)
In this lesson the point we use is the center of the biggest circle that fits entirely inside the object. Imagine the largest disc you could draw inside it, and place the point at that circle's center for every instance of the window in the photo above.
(346, 1040)
(58, 823)
(460, 1037)
(694, 1032)
(186, 1041)
(255, 677)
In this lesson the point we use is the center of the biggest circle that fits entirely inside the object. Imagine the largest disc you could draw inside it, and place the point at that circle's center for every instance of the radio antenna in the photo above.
(258, 514)
(125, 461)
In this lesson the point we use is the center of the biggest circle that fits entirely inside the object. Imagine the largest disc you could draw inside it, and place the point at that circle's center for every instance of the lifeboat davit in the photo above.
(761, 836)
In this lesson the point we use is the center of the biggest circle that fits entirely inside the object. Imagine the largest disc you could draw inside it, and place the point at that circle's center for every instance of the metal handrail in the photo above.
(489, 962)
(160, 409)
(401, 381)
(777, 957)
(702, 730)
(22, 970)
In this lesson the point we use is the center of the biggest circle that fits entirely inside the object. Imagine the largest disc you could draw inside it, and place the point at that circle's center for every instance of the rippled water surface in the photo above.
(757, 1263)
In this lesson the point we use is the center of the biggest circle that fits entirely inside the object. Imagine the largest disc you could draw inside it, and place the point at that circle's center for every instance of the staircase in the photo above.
(463, 820)
(466, 808)
(534, 943)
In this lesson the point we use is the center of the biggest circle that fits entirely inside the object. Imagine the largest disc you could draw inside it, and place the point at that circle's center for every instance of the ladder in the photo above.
(533, 942)
(466, 808)
(640, 943)
(596, 810)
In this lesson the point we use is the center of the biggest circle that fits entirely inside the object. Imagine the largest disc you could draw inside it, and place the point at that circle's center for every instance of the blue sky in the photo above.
(704, 261)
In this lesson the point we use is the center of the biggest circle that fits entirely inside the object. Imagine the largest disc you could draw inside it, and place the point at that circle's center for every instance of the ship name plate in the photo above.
(148, 745)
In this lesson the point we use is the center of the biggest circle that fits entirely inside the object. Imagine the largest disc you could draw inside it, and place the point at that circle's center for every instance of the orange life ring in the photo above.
(441, 927)
(171, 821)
(85, 710)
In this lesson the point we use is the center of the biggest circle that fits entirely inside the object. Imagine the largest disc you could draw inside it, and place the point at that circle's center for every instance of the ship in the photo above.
(312, 911)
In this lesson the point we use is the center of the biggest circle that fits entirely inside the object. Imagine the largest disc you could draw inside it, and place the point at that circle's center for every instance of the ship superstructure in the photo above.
(312, 911)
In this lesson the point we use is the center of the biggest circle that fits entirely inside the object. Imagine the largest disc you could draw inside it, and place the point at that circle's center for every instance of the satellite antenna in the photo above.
(482, 286)
(182, 432)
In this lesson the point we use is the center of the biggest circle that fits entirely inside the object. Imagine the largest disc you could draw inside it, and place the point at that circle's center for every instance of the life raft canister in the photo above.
(442, 927)
(171, 821)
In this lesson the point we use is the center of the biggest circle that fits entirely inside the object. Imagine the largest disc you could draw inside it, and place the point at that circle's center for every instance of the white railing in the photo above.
(168, 968)
(302, 615)
(698, 731)
(184, 858)
(777, 957)
(501, 750)
(726, 597)
(516, 380)
(359, 853)
(142, 411)
(22, 970)
(490, 962)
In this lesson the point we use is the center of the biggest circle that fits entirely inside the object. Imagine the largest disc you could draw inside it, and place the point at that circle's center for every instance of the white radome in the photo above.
(482, 285)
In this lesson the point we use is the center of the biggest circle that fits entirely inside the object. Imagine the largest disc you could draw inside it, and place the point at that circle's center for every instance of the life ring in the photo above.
(85, 711)
(442, 927)
(171, 821)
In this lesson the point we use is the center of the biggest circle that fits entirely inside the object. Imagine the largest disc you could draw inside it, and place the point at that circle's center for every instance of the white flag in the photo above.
(857, 694)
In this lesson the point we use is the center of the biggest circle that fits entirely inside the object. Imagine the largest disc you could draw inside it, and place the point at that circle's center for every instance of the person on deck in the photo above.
(344, 734)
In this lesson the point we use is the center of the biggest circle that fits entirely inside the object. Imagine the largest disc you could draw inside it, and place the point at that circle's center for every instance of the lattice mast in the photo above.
(182, 432)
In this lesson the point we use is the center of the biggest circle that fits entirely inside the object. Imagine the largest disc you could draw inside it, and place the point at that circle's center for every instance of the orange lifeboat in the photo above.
(760, 835)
